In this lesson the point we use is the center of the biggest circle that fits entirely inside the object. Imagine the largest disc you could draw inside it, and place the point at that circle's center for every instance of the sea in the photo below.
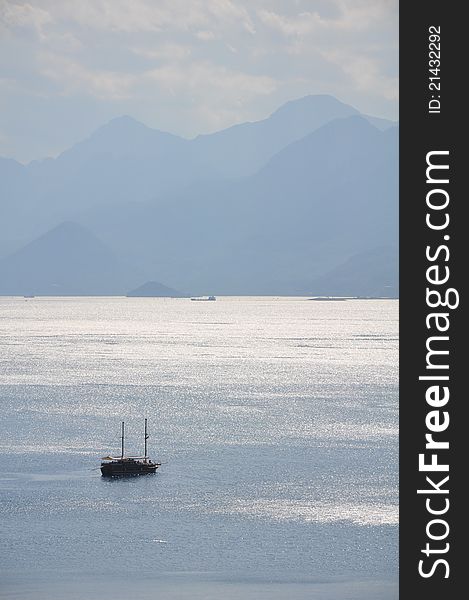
(276, 423)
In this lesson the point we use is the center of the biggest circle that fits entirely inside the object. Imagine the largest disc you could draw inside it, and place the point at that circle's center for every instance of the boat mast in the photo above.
(146, 438)
(122, 453)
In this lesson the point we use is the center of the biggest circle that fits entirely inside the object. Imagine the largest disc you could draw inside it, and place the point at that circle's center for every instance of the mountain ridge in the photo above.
(287, 222)
(250, 209)
(67, 260)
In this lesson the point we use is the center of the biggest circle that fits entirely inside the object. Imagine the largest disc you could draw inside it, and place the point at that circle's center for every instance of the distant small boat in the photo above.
(126, 466)
(29, 296)
(204, 299)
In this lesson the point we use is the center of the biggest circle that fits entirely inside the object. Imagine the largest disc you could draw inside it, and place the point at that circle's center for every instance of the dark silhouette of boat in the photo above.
(127, 466)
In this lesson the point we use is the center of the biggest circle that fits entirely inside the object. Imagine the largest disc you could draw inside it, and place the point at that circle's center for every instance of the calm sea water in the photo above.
(276, 420)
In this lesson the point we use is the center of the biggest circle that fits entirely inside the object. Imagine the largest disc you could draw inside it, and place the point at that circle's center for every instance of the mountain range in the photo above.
(303, 202)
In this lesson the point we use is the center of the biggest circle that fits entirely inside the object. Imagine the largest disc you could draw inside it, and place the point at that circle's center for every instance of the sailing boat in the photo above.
(128, 465)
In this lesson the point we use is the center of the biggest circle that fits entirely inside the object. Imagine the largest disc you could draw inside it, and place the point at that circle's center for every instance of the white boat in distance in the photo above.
(204, 299)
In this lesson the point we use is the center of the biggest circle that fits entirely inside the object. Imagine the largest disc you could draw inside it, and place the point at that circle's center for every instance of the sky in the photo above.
(184, 66)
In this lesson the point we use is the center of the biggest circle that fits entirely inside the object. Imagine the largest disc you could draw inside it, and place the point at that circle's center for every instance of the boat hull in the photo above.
(127, 469)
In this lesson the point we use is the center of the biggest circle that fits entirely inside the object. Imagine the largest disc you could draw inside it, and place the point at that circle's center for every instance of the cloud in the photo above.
(166, 52)
(351, 15)
(365, 74)
(23, 21)
(73, 78)
(359, 37)
(150, 16)
(348, 15)
(206, 36)
(204, 78)
(24, 16)
(304, 23)
(178, 76)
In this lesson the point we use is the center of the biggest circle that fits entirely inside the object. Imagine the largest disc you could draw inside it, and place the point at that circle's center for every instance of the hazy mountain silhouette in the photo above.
(317, 202)
(243, 149)
(322, 199)
(122, 161)
(68, 260)
(126, 161)
(154, 289)
(372, 273)
(17, 203)
(264, 207)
